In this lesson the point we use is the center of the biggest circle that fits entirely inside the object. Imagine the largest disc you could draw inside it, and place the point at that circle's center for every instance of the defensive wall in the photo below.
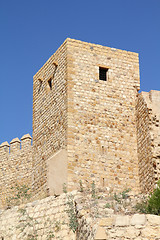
(89, 124)
(15, 166)
(148, 138)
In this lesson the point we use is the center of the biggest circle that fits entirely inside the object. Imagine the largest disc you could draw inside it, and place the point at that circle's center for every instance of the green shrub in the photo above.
(73, 221)
(153, 206)
(107, 205)
(124, 194)
(142, 207)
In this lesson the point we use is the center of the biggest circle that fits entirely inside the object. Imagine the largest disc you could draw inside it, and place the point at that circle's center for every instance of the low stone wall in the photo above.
(43, 219)
(49, 219)
(135, 227)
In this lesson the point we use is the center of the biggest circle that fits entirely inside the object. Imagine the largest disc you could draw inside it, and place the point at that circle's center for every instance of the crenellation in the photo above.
(26, 142)
(4, 148)
(14, 145)
(15, 166)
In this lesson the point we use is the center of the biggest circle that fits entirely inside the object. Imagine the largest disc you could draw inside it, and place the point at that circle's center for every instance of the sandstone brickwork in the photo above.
(15, 166)
(102, 142)
(148, 137)
(135, 227)
(42, 219)
(49, 115)
(48, 219)
(94, 121)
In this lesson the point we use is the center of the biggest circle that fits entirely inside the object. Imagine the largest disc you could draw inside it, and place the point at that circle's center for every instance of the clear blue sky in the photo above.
(31, 31)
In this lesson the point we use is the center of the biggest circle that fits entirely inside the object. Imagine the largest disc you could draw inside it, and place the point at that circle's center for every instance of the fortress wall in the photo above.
(155, 131)
(146, 171)
(148, 138)
(49, 118)
(15, 166)
(102, 139)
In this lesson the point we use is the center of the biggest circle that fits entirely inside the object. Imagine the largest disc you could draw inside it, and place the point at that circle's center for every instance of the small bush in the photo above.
(141, 207)
(107, 205)
(152, 204)
(125, 193)
(154, 201)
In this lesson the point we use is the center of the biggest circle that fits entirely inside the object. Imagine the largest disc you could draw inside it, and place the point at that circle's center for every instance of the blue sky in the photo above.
(32, 30)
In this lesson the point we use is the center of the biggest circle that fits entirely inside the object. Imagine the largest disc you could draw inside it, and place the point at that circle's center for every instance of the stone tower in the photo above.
(84, 118)
(90, 124)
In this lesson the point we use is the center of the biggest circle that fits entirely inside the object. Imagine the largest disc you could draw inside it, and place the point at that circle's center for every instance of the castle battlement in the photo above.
(15, 165)
(16, 145)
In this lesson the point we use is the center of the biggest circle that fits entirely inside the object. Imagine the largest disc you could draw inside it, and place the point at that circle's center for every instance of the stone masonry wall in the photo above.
(42, 219)
(49, 115)
(135, 227)
(155, 131)
(15, 166)
(146, 170)
(148, 139)
(48, 219)
(102, 140)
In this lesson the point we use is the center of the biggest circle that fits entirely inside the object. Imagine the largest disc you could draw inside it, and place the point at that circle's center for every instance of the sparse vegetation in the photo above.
(115, 202)
(20, 194)
(121, 196)
(141, 206)
(73, 221)
(81, 186)
(25, 222)
(152, 204)
(93, 190)
(107, 205)
(64, 188)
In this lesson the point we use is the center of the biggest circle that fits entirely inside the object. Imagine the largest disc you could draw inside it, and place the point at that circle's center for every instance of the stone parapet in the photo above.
(16, 145)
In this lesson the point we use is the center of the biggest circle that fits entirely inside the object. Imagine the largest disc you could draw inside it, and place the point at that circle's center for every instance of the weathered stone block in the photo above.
(122, 221)
(138, 219)
(101, 234)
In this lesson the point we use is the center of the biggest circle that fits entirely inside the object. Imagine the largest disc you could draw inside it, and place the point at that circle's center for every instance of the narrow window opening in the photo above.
(103, 183)
(40, 84)
(50, 83)
(102, 149)
(103, 73)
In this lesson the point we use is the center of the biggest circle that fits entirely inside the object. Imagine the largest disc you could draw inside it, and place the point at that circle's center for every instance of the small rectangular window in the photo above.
(103, 73)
